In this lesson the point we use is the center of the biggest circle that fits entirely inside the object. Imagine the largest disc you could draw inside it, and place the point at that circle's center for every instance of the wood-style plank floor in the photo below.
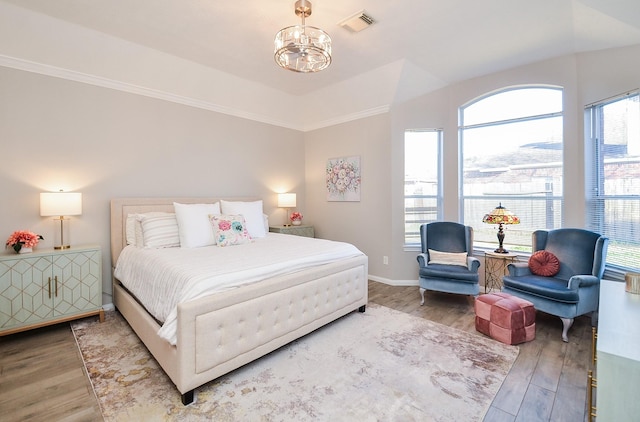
(42, 377)
(548, 381)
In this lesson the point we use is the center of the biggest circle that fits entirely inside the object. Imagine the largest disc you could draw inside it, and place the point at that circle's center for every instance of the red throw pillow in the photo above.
(544, 264)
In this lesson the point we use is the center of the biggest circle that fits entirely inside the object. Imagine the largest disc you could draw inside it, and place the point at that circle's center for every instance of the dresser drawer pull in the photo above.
(594, 340)
(591, 384)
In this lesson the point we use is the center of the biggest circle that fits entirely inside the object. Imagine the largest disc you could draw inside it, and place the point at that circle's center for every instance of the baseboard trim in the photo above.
(393, 282)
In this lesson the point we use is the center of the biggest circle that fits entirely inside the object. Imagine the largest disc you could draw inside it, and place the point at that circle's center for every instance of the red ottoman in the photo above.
(505, 318)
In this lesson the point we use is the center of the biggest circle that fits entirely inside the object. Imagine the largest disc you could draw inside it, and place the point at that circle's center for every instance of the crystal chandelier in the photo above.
(303, 48)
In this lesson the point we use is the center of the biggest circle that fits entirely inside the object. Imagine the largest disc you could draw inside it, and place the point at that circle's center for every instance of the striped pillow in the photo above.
(160, 231)
(134, 227)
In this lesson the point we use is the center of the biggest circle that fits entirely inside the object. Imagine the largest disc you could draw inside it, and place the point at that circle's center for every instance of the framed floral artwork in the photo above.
(343, 179)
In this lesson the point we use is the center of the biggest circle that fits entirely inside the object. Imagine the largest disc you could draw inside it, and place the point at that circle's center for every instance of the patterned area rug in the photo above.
(381, 365)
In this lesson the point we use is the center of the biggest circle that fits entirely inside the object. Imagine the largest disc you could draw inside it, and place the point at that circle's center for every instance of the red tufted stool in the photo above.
(505, 318)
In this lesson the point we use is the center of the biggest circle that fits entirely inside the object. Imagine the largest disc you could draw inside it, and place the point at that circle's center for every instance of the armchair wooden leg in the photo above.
(422, 295)
(566, 324)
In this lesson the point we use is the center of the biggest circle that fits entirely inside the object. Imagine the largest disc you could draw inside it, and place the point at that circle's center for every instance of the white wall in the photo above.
(38, 42)
(364, 223)
(58, 134)
(585, 78)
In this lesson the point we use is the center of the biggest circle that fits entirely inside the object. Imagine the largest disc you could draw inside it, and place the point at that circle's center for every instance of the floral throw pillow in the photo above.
(229, 229)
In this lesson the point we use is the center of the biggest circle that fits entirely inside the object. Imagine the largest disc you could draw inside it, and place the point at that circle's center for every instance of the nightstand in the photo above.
(306, 231)
(49, 286)
(495, 266)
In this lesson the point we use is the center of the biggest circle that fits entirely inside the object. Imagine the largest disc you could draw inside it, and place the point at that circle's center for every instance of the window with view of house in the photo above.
(422, 197)
(511, 144)
(613, 200)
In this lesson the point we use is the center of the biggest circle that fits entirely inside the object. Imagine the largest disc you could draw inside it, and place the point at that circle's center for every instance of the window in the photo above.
(511, 146)
(422, 202)
(613, 205)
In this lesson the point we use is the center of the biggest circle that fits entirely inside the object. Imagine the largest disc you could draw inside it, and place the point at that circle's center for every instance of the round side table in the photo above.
(495, 266)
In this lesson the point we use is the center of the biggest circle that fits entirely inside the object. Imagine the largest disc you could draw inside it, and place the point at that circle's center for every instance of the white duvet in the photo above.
(162, 278)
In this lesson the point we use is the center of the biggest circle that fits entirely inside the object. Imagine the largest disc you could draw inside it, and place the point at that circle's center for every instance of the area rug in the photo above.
(381, 365)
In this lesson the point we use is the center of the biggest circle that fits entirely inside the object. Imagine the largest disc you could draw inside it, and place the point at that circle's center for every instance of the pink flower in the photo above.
(23, 238)
(224, 225)
(296, 216)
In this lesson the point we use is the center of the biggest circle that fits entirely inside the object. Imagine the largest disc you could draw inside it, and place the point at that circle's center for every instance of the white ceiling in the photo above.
(445, 41)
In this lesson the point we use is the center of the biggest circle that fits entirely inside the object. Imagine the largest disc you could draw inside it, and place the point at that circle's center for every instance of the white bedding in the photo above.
(162, 278)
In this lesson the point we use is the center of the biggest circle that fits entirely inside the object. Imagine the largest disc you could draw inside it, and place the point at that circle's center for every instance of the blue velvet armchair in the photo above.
(455, 270)
(575, 289)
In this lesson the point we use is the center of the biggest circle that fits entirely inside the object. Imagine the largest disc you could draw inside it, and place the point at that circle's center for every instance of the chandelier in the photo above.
(302, 48)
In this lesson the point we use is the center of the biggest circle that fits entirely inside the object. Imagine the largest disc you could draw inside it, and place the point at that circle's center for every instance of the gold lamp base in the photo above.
(61, 240)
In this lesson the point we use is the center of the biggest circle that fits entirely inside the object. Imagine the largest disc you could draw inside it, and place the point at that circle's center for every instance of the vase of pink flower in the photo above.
(23, 241)
(296, 218)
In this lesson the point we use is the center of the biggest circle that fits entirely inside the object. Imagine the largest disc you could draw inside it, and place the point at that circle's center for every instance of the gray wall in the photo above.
(366, 224)
(585, 78)
(57, 134)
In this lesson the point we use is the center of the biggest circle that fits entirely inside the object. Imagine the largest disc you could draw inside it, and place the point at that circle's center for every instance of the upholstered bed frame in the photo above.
(219, 333)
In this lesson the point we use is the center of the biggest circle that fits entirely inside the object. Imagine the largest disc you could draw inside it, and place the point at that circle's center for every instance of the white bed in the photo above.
(217, 333)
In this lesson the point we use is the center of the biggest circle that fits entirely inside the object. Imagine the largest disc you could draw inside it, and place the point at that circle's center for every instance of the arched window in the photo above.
(511, 147)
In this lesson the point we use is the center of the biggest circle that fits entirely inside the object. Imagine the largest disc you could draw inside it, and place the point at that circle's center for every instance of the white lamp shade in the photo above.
(60, 203)
(286, 200)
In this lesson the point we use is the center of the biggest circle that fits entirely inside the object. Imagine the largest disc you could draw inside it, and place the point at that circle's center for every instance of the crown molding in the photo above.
(72, 75)
(348, 118)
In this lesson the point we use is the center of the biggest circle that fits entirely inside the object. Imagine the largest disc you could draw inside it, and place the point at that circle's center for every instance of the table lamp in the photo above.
(287, 200)
(500, 215)
(61, 204)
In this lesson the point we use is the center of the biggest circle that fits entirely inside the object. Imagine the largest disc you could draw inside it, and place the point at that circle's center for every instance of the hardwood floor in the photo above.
(42, 377)
(548, 381)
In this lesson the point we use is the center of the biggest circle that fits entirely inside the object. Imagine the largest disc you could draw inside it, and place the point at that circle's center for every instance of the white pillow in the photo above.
(130, 229)
(133, 227)
(160, 231)
(252, 213)
(447, 258)
(193, 224)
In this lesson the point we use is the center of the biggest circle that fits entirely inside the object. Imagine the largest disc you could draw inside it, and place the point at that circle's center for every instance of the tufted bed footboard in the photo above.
(221, 332)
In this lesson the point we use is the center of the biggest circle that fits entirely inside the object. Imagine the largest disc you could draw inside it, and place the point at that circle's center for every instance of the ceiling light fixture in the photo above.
(302, 48)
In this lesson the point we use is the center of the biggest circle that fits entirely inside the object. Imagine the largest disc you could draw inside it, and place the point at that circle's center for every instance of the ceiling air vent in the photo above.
(357, 22)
